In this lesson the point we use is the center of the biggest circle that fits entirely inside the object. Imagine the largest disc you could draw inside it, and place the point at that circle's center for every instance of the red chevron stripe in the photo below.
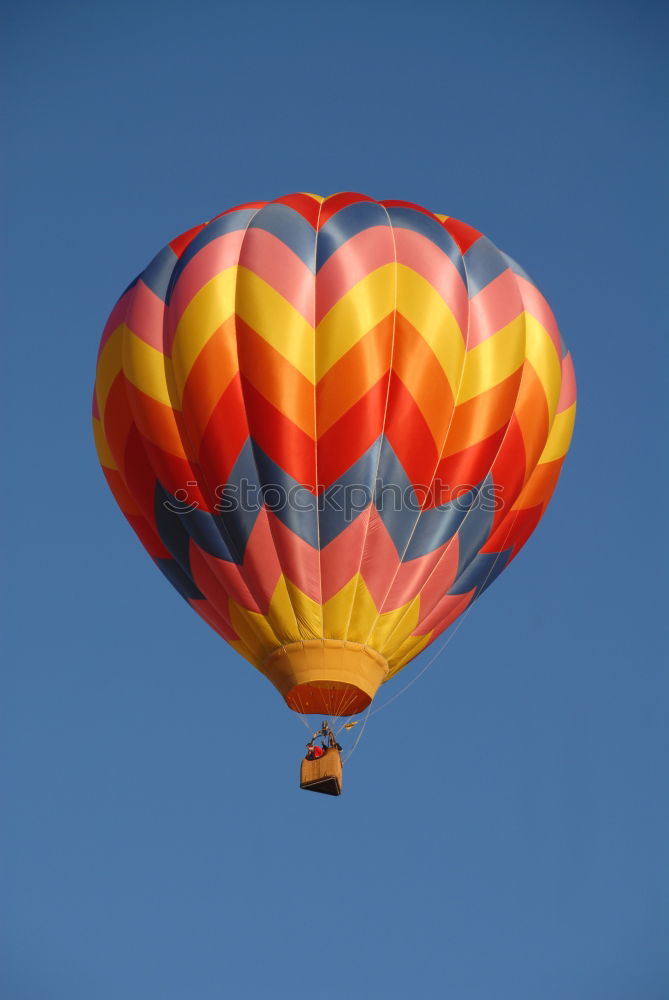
(213, 617)
(225, 435)
(117, 420)
(466, 468)
(176, 474)
(123, 497)
(211, 375)
(159, 423)
(420, 372)
(409, 435)
(508, 470)
(281, 385)
(148, 536)
(465, 236)
(531, 411)
(397, 203)
(350, 377)
(515, 532)
(336, 202)
(279, 437)
(220, 580)
(304, 204)
(347, 440)
(179, 244)
(139, 476)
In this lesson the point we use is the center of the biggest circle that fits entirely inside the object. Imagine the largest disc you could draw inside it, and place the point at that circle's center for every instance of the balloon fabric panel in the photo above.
(332, 423)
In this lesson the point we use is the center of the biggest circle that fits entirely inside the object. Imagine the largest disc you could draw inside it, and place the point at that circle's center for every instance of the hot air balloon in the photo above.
(332, 423)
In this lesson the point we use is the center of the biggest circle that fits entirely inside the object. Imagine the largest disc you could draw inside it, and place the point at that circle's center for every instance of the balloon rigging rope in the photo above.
(451, 635)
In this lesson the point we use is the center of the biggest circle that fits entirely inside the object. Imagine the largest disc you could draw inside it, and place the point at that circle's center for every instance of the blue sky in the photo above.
(504, 827)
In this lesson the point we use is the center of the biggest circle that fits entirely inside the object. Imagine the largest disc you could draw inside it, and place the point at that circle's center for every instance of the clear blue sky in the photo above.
(504, 831)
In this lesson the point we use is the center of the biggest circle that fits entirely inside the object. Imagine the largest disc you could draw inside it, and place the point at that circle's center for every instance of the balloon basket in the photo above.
(322, 774)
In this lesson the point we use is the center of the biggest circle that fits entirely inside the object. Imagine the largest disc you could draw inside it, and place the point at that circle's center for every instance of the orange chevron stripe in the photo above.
(539, 487)
(274, 378)
(532, 414)
(420, 372)
(353, 375)
(466, 468)
(409, 435)
(117, 420)
(476, 419)
(281, 440)
(352, 435)
(212, 372)
(517, 529)
(509, 469)
(224, 434)
(176, 473)
(122, 494)
(157, 422)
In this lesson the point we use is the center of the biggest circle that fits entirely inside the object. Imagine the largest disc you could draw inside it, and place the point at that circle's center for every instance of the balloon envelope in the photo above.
(332, 422)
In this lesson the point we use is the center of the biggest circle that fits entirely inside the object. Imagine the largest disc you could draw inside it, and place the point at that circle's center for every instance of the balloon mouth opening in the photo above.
(328, 677)
(329, 698)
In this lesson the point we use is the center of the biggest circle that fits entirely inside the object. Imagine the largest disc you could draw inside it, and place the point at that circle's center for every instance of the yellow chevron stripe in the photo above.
(110, 363)
(307, 612)
(393, 627)
(540, 352)
(207, 310)
(254, 631)
(559, 436)
(102, 447)
(276, 321)
(242, 649)
(423, 307)
(356, 312)
(411, 647)
(263, 633)
(337, 610)
(149, 370)
(495, 359)
(351, 612)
